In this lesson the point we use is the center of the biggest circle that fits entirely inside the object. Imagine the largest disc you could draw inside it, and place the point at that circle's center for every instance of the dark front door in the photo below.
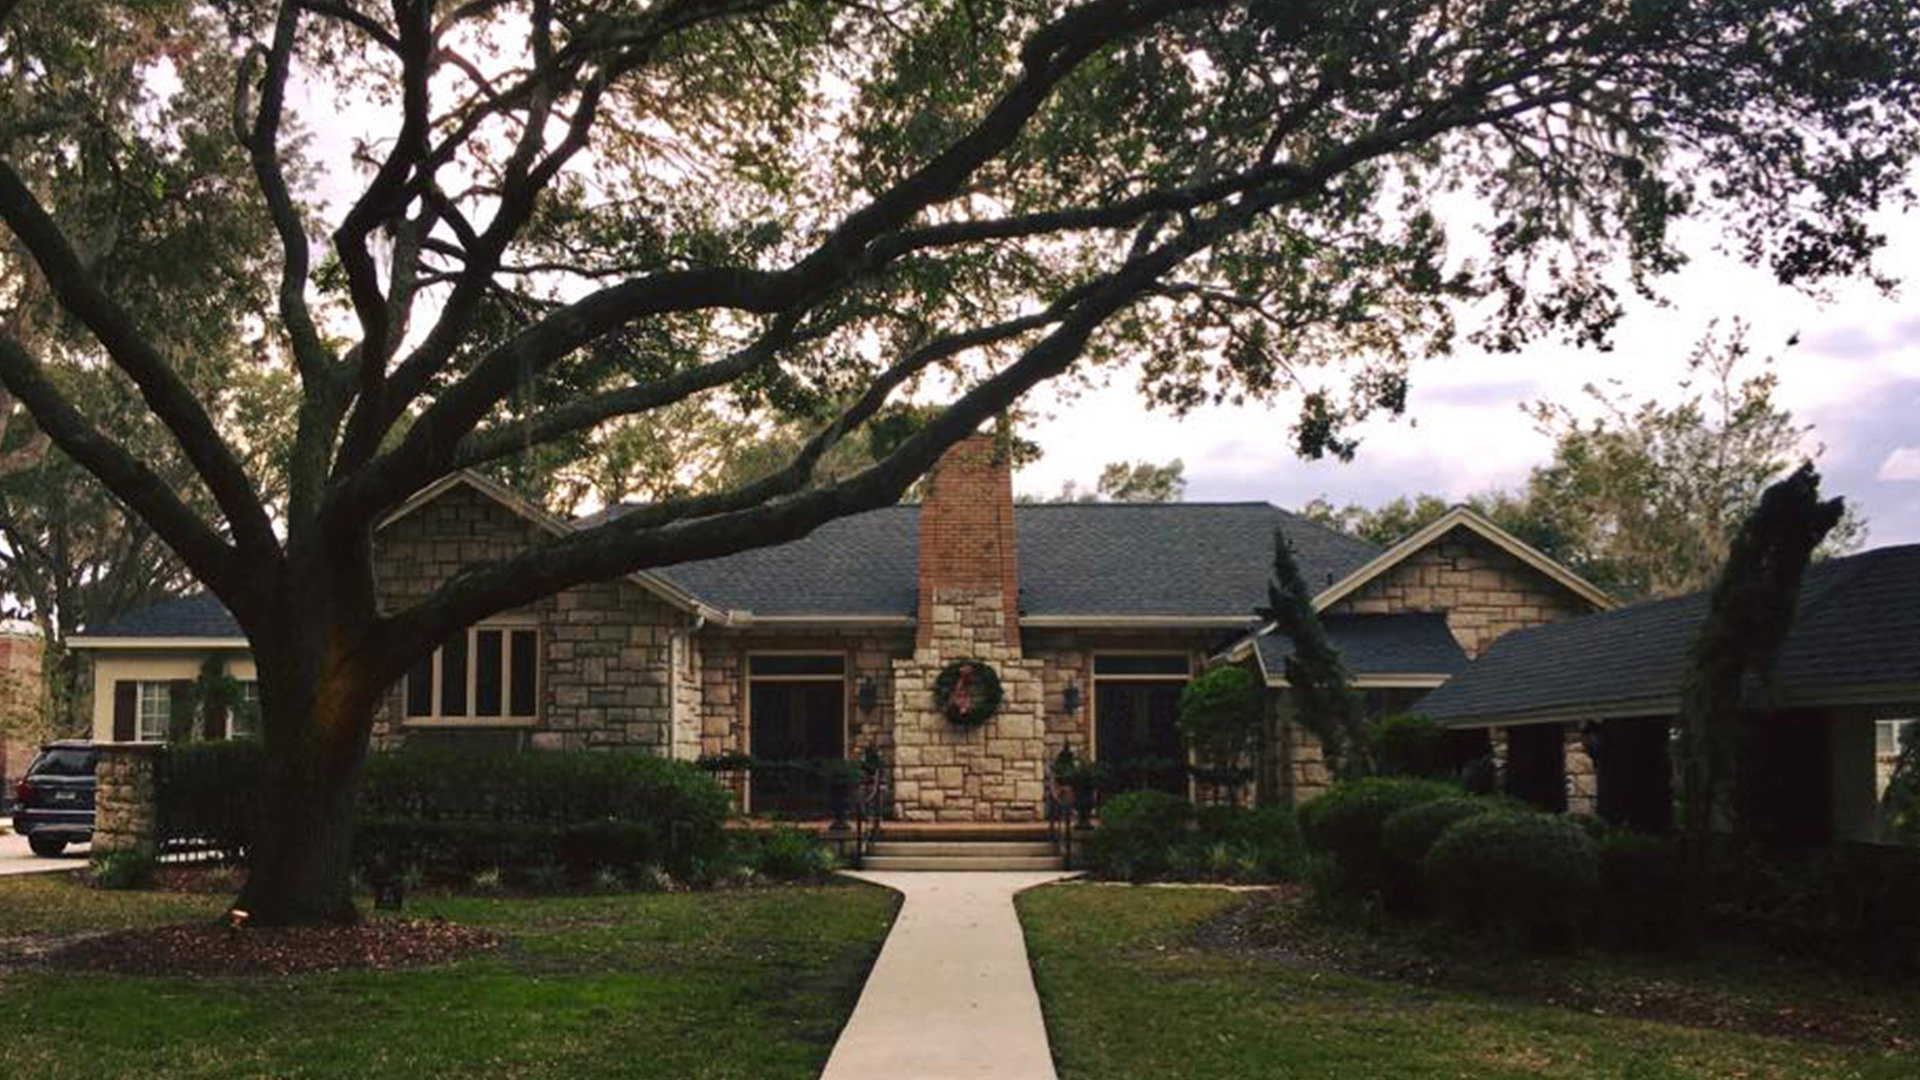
(795, 722)
(1135, 736)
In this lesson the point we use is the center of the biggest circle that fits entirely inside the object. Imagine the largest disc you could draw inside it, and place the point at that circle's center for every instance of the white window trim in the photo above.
(152, 690)
(436, 719)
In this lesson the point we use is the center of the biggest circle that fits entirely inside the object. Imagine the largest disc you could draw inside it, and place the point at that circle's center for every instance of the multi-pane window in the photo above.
(1889, 732)
(154, 714)
(245, 721)
(486, 672)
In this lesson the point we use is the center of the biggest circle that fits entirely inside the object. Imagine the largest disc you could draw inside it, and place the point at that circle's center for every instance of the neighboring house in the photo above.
(1093, 616)
(1848, 672)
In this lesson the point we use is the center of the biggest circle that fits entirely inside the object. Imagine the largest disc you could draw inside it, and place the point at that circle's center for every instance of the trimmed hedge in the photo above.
(1643, 889)
(1528, 878)
(1344, 826)
(1154, 836)
(1137, 834)
(1407, 745)
(1407, 835)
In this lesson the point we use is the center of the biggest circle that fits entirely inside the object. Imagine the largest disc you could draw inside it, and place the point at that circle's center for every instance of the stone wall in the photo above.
(606, 653)
(722, 704)
(1482, 590)
(995, 771)
(125, 801)
(1583, 782)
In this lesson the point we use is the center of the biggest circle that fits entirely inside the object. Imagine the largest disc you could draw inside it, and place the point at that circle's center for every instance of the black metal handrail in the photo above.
(869, 809)
(1059, 816)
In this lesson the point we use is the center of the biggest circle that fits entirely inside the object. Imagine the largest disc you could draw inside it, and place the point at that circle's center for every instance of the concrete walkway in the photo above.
(951, 996)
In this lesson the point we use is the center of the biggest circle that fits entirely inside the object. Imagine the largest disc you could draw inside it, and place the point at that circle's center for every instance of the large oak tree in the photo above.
(575, 211)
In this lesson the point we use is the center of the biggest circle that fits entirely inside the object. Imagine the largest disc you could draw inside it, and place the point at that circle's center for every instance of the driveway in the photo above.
(16, 858)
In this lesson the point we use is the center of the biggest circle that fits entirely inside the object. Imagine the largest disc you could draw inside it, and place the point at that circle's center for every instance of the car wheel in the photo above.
(47, 846)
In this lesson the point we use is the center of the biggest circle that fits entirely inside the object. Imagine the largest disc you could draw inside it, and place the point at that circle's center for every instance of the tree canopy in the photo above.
(1136, 481)
(566, 213)
(1644, 498)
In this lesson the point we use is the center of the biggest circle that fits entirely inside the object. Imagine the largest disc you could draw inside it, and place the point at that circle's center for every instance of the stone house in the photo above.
(1822, 731)
(1089, 619)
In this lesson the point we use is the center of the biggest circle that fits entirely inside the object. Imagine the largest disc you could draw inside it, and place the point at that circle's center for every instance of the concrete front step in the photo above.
(962, 862)
(1027, 848)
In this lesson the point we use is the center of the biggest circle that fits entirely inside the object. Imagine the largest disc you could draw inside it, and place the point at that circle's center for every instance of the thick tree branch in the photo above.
(212, 560)
(162, 388)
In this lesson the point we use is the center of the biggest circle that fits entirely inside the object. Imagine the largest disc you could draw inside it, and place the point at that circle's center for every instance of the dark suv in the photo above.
(53, 802)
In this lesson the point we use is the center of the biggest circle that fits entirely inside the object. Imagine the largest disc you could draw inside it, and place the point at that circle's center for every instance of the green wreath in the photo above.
(968, 692)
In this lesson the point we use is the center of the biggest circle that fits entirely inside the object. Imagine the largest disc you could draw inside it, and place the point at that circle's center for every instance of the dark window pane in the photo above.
(487, 669)
(525, 656)
(420, 687)
(453, 676)
(796, 665)
(62, 761)
(1123, 664)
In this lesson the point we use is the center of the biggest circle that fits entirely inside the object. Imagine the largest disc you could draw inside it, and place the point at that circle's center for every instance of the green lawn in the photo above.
(753, 984)
(1128, 993)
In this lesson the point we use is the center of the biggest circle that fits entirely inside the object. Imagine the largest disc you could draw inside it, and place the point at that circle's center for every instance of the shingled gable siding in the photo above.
(606, 664)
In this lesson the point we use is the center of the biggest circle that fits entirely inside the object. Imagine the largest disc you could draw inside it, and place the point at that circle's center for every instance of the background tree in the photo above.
(584, 210)
(1644, 498)
(1750, 612)
(1132, 482)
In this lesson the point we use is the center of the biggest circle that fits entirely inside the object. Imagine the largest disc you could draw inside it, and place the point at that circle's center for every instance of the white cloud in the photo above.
(1902, 464)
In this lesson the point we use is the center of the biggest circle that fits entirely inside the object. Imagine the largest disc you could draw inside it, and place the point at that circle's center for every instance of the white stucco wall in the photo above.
(154, 665)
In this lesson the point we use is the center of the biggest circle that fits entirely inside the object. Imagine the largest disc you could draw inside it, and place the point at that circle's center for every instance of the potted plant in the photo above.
(1082, 779)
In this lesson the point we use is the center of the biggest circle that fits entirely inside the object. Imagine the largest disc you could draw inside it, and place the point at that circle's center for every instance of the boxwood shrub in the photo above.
(1643, 889)
(1343, 826)
(1527, 878)
(1407, 835)
(1137, 836)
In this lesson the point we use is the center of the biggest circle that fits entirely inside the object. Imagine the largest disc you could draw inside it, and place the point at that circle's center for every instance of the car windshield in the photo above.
(62, 761)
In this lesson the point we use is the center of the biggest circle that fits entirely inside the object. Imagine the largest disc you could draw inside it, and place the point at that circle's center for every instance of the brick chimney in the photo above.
(966, 536)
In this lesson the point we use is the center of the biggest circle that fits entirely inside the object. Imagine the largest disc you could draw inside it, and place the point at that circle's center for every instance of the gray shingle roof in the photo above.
(1087, 559)
(1404, 644)
(1857, 624)
(200, 615)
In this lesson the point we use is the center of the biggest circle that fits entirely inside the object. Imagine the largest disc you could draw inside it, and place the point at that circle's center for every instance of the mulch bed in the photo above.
(216, 949)
(1278, 927)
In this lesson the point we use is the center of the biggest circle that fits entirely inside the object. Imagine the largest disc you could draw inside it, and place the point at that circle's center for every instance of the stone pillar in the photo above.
(1583, 787)
(125, 799)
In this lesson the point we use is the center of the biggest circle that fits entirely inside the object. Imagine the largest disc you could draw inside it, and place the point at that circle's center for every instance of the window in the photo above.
(154, 714)
(245, 721)
(1889, 732)
(781, 665)
(485, 673)
(1140, 665)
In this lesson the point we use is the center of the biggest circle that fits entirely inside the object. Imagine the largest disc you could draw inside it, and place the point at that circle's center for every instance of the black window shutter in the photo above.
(126, 700)
(179, 710)
(213, 721)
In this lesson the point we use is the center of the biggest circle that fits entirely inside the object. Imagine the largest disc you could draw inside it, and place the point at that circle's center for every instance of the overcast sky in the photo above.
(1855, 375)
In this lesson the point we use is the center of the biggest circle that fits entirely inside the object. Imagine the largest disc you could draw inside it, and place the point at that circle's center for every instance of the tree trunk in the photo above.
(318, 693)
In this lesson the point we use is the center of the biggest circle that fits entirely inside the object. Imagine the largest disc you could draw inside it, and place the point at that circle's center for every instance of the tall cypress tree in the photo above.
(1324, 701)
(1752, 609)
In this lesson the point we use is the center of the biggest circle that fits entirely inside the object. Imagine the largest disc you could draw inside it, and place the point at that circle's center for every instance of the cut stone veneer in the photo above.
(994, 771)
(125, 803)
(607, 672)
(1482, 590)
(1583, 781)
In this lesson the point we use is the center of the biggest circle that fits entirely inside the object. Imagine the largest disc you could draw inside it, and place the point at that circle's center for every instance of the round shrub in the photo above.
(1344, 826)
(1137, 835)
(1263, 843)
(1643, 888)
(1405, 745)
(1407, 835)
(1526, 878)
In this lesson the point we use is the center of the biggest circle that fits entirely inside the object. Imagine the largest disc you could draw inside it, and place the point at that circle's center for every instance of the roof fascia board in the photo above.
(1408, 681)
(743, 619)
(1462, 516)
(519, 505)
(79, 642)
(1894, 695)
(1209, 622)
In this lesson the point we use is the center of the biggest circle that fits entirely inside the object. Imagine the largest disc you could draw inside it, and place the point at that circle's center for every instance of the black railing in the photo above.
(869, 808)
(1060, 816)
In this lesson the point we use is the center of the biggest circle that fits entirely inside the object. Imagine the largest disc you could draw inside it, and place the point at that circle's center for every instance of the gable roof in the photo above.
(1463, 517)
(1855, 640)
(198, 618)
(1411, 648)
(1098, 562)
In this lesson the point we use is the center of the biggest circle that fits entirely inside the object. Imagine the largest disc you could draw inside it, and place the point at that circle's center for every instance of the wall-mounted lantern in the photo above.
(1070, 697)
(868, 695)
